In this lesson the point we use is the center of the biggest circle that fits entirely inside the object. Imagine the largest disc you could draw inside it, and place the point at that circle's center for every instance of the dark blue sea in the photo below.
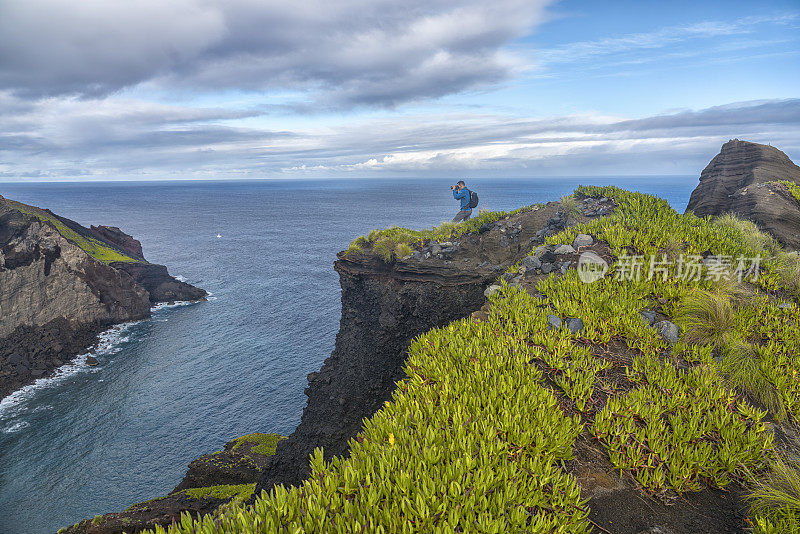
(193, 377)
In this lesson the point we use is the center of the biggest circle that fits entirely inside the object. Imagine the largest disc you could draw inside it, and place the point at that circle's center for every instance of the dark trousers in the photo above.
(462, 215)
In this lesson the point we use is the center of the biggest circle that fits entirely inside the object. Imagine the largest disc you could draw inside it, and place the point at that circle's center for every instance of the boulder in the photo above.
(553, 322)
(668, 331)
(582, 240)
(531, 262)
(564, 249)
(648, 316)
(574, 324)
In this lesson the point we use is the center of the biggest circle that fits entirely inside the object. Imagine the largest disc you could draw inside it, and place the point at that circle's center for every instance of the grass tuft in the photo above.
(706, 317)
(775, 499)
(742, 368)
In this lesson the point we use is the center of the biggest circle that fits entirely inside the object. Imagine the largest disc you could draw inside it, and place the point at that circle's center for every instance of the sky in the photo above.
(243, 89)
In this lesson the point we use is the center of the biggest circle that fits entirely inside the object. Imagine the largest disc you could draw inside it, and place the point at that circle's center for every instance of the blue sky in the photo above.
(237, 89)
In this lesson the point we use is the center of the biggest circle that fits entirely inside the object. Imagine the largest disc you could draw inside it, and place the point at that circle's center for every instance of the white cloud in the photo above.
(130, 139)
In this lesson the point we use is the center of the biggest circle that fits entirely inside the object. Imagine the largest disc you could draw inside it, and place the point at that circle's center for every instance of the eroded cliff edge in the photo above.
(61, 284)
(384, 306)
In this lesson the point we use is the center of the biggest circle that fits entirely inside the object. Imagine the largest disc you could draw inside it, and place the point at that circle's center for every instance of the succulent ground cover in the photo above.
(479, 435)
(395, 242)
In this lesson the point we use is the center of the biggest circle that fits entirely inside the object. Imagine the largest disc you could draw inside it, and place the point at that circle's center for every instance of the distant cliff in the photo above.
(61, 284)
(744, 178)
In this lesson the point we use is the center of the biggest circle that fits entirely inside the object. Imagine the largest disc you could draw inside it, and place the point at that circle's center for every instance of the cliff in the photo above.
(746, 179)
(384, 306)
(61, 284)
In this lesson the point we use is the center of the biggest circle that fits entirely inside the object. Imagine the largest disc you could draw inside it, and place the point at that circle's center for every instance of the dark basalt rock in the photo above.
(736, 181)
(159, 284)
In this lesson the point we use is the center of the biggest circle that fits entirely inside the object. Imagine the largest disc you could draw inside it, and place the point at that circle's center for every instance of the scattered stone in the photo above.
(446, 244)
(582, 240)
(491, 290)
(783, 306)
(668, 331)
(648, 316)
(656, 529)
(564, 249)
(548, 268)
(565, 266)
(531, 262)
(15, 358)
(540, 250)
(574, 324)
(91, 361)
(436, 248)
(553, 322)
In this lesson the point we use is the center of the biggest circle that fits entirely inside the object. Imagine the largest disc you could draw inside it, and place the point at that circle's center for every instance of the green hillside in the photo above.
(94, 247)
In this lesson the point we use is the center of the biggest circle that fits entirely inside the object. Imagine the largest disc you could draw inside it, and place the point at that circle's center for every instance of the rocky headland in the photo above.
(61, 284)
(753, 181)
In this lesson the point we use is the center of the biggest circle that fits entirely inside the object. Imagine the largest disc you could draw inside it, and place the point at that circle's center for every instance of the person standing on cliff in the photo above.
(468, 199)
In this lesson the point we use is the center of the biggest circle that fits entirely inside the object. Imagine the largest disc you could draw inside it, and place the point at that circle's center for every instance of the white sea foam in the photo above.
(108, 343)
(16, 427)
(168, 305)
(179, 278)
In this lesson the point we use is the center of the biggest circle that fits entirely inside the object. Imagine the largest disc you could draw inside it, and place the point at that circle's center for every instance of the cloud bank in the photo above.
(117, 138)
(337, 54)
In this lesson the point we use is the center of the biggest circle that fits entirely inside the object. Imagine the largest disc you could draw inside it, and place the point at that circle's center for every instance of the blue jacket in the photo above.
(463, 194)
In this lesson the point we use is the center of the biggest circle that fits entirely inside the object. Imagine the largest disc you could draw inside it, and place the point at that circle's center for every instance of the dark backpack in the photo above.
(473, 200)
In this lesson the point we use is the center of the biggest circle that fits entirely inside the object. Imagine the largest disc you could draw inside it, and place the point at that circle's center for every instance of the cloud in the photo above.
(122, 138)
(585, 51)
(340, 54)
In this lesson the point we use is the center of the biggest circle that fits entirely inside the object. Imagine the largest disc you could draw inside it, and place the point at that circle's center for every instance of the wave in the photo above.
(108, 342)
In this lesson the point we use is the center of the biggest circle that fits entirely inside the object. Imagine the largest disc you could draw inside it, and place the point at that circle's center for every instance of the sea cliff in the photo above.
(61, 284)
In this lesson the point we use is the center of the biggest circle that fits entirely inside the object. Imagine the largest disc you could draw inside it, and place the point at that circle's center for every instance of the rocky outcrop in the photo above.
(55, 297)
(740, 179)
(384, 306)
(159, 284)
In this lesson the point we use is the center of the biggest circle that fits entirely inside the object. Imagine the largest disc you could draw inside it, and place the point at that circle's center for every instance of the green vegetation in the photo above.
(95, 248)
(238, 492)
(775, 500)
(264, 443)
(479, 434)
(569, 207)
(397, 242)
(794, 189)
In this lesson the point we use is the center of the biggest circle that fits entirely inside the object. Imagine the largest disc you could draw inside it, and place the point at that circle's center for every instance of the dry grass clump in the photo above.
(741, 367)
(569, 207)
(775, 499)
(760, 242)
(787, 266)
(706, 317)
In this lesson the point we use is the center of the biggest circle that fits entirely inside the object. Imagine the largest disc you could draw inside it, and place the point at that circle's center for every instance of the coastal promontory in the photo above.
(61, 284)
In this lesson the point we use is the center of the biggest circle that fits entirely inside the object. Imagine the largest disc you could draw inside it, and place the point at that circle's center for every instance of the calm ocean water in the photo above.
(193, 377)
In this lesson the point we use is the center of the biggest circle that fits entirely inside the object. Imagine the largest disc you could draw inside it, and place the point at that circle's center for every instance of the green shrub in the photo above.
(385, 242)
(742, 367)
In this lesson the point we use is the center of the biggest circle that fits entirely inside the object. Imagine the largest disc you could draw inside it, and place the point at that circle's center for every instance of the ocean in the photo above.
(182, 384)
